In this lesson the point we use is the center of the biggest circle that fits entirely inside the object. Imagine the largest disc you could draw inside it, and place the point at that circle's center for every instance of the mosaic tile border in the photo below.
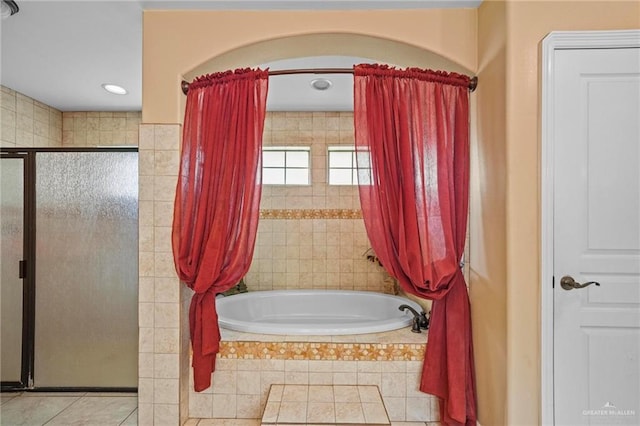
(322, 351)
(311, 214)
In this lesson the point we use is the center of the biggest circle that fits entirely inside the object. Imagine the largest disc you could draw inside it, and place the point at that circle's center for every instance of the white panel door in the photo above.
(597, 236)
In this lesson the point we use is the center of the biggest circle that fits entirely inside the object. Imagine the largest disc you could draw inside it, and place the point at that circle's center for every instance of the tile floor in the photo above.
(68, 409)
(324, 404)
(96, 409)
(256, 422)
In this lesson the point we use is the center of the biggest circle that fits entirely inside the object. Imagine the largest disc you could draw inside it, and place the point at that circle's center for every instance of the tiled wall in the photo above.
(249, 363)
(312, 236)
(30, 123)
(27, 122)
(309, 236)
(162, 373)
(81, 129)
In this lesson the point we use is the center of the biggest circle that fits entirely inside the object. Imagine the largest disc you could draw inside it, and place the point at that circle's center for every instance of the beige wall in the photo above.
(516, 160)
(488, 251)
(27, 122)
(194, 39)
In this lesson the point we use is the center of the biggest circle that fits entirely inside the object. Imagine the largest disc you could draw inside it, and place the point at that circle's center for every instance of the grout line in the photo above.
(130, 414)
(10, 399)
(78, 398)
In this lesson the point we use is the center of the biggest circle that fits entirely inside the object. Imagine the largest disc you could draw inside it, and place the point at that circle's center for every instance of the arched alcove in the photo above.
(205, 42)
(344, 44)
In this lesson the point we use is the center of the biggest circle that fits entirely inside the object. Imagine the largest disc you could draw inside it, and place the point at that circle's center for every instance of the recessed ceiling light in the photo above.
(115, 89)
(8, 8)
(321, 83)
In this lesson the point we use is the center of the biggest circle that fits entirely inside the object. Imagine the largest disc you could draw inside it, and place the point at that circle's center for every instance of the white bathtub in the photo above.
(313, 312)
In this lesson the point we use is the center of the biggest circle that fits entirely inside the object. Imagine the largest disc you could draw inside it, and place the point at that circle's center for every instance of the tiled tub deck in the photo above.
(248, 364)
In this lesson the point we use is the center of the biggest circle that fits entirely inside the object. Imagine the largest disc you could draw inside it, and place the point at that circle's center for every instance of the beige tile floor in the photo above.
(256, 422)
(324, 404)
(68, 409)
(96, 409)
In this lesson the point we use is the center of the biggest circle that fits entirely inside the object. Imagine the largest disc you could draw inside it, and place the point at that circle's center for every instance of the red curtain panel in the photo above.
(412, 143)
(217, 198)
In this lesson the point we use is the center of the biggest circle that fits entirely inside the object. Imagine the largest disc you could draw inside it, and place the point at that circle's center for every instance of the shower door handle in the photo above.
(22, 269)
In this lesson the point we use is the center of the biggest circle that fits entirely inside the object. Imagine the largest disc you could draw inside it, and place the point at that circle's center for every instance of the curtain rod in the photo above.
(185, 84)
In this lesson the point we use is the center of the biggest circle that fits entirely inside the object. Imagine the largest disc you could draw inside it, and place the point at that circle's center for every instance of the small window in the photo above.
(343, 166)
(285, 165)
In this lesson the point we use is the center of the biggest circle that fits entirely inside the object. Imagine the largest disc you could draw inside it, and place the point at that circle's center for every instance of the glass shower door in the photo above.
(12, 208)
(86, 321)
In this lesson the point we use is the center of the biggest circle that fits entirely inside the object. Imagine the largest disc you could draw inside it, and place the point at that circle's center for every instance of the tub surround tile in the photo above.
(396, 408)
(310, 214)
(418, 408)
(248, 406)
(248, 383)
(224, 382)
(250, 368)
(394, 384)
(296, 377)
(269, 377)
(369, 379)
(301, 351)
(224, 406)
(344, 378)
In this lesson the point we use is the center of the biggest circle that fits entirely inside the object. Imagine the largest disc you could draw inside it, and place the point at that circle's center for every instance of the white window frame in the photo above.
(285, 150)
(353, 168)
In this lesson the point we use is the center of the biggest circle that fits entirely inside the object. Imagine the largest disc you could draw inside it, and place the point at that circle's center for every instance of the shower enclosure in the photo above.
(69, 268)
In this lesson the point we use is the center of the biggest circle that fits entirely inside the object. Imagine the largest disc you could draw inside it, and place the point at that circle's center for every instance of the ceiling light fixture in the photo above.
(321, 83)
(8, 8)
(114, 88)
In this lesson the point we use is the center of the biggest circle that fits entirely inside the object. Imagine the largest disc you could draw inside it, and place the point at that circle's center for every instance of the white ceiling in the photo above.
(60, 52)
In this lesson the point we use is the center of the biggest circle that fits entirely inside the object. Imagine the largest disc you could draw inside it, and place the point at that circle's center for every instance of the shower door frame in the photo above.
(27, 269)
(29, 280)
